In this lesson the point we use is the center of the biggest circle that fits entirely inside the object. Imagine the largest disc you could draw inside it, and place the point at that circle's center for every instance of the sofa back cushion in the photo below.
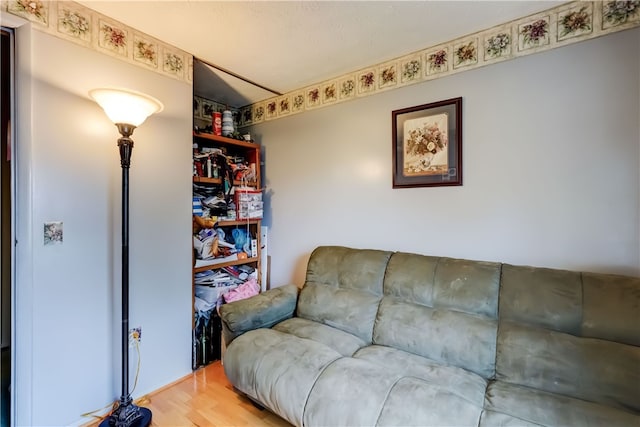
(441, 308)
(571, 333)
(343, 288)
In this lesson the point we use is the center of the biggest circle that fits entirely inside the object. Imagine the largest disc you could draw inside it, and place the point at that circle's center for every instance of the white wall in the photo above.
(551, 153)
(68, 295)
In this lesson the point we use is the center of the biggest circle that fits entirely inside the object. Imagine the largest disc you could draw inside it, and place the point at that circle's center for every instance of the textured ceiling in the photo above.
(287, 45)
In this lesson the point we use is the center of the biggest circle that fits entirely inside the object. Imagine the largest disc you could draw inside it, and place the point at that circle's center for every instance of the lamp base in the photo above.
(128, 415)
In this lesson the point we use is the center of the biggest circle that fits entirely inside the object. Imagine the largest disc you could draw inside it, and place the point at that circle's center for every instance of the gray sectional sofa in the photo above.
(397, 339)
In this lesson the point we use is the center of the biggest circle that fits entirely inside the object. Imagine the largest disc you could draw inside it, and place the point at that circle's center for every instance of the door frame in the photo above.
(11, 151)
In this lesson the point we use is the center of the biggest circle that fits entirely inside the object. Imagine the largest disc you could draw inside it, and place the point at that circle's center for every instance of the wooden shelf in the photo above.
(205, 180)
(231, 223)
(224, 264)
(239, 222)
(226, 141)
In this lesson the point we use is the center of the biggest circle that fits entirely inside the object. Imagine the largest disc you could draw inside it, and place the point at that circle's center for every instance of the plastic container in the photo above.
(227, 123)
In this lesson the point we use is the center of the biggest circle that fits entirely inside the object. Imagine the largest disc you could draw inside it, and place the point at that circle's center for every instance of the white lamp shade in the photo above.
(126, 106)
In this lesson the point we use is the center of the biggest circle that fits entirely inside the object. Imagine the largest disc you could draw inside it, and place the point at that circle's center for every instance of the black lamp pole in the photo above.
(127, 414)
(123, 107)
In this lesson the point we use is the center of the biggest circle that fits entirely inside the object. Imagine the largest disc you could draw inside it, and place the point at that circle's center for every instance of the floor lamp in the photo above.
(127, 110)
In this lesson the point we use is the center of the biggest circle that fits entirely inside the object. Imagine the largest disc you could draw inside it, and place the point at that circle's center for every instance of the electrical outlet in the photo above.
(135, 334)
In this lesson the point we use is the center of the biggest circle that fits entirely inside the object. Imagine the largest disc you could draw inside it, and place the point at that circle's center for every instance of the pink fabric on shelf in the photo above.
(246, 290)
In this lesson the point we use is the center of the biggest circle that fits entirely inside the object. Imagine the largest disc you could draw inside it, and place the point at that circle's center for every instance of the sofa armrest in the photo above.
(260, 311)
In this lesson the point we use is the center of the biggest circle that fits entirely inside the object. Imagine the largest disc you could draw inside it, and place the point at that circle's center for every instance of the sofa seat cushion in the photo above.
(349, 392)
(550, 409)
(415, 402)
(342, 342)
(359, 392)
(499, 419)
(277, 369)
(462, 383)
(590, 369)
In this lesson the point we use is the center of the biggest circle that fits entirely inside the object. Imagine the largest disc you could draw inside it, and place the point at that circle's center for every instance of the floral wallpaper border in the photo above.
(566, 24)
(79, 24)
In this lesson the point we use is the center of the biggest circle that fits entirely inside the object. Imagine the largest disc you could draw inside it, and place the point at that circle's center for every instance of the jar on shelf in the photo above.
(217, 123)
(227, 123)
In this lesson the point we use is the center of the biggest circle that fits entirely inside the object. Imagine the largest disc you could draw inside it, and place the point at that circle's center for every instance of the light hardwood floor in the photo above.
(206, 398)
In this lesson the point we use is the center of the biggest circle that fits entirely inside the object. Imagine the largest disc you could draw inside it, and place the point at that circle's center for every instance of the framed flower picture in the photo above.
(427, 145)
